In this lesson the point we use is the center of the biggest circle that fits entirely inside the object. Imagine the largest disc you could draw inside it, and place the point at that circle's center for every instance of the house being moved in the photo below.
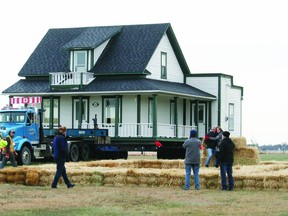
(131, 79)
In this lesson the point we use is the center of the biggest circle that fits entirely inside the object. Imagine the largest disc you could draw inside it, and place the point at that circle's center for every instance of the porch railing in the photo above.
(71, 78)
(140, 129)
(144, 129)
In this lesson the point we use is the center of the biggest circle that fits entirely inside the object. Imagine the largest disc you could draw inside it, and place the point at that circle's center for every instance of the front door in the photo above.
(201, 118)
(84, 113)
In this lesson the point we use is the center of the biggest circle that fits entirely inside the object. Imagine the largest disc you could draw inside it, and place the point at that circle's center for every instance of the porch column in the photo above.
(138, 114)
(209, 116)
(176, 115)
(154, 115)
(184, 112)
(80, 112)
(117, 116)
(10, 104)
(197, 116)
(51, 115)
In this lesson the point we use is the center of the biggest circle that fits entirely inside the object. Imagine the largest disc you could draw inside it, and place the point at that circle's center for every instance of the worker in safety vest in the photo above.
(8, 152)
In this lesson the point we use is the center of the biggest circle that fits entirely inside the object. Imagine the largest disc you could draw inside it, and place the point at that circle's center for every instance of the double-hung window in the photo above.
(163, 65)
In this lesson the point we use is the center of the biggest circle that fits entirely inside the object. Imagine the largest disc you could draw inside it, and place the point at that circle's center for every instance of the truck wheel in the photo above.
(24, 158)
(74, 153)
(85, 152)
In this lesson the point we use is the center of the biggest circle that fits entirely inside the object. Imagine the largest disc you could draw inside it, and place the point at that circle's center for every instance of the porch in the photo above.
(139, 129)
(144, 130)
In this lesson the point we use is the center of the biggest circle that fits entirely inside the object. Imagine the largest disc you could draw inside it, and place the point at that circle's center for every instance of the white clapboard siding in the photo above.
(98, 50)
(174, 72)
(210, 85)
(230, 94)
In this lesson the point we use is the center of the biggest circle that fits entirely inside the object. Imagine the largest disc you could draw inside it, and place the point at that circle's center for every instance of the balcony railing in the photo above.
(73, 79)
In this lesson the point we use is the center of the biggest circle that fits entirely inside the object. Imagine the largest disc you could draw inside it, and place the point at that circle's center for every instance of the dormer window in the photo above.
(80, 60)
(163, 65)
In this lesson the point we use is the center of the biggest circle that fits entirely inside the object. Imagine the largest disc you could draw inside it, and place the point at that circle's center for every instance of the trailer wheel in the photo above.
(85, 152)
(24, 158)
(74, 153)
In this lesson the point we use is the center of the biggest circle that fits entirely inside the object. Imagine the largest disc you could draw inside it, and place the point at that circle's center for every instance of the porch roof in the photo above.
(109, 85)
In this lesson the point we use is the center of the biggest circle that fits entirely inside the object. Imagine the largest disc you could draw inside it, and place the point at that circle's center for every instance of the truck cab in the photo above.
(25, 123)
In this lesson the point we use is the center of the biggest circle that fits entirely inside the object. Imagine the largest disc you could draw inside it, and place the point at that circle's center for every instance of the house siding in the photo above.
(232, 95)
(98, 50)
(129, 109)
(210, 85)
(174, 72)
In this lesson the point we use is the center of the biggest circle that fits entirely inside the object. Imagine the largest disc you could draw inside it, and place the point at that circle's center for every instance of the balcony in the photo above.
(70, 80)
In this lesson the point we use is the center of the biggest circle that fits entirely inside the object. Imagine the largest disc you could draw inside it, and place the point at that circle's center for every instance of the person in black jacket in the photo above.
(226, 159)
(60, 153)
(210, 145)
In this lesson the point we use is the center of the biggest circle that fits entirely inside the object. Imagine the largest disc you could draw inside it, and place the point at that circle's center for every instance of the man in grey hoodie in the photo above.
(192, 159)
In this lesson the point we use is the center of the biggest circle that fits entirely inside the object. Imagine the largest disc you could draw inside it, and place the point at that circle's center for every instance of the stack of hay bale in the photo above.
(243, 154)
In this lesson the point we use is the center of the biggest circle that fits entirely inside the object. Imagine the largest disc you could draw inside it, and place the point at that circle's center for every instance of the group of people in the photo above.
(60, 154)
(219, 144)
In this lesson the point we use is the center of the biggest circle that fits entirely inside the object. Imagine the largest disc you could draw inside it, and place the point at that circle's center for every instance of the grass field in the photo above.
(273, 157)
(23, 200)
(135, 200)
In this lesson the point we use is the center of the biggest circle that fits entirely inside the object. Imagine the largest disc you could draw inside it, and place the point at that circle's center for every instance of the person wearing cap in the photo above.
(226, 159)
(192, 159)
(8, 152)
(60, 153)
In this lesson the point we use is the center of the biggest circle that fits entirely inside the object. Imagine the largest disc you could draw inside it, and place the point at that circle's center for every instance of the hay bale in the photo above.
(238, 182)
(120, 179)
(15, 175)
(246, 156)
(46, 178)
(32, 178)
(3, 177)
(97, 179)
(240, 142)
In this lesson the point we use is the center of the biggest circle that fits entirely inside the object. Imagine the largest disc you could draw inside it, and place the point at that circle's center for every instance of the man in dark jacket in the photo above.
(226, 159)
(192, 159)
(60, 153)
(210, 145)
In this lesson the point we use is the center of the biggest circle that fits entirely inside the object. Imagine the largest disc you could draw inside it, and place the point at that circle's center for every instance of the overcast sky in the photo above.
(247, 39)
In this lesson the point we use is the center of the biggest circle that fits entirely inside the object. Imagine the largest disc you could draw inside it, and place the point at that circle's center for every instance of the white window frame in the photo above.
(231, 117)
(163, 65)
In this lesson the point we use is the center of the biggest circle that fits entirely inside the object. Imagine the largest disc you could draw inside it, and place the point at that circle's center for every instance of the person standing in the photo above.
(218, 140)
(60, 153)
(210, 145)
(226, 159)
(192, 159)
(8, 152)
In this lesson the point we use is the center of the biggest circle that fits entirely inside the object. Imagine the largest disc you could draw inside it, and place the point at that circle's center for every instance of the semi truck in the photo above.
(32, 141)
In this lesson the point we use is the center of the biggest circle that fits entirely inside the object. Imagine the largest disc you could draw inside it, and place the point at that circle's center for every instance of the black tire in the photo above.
(74, 153)
(85, 152)
(24, 157)
(123, 155)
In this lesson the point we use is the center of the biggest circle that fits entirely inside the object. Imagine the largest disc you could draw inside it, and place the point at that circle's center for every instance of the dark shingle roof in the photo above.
(128, 51)
(92, 37)
(107, 85)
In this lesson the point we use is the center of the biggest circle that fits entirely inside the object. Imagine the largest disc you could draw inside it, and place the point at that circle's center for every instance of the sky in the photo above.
(247, 39)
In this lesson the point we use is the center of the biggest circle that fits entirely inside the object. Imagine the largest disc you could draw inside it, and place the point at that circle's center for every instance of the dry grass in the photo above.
(91, 200)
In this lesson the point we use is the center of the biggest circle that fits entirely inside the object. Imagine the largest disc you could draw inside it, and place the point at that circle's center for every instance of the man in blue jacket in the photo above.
(60, 153)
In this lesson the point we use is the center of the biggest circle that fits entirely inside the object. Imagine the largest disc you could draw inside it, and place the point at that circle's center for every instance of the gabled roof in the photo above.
(111, 85)
(128, 52)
